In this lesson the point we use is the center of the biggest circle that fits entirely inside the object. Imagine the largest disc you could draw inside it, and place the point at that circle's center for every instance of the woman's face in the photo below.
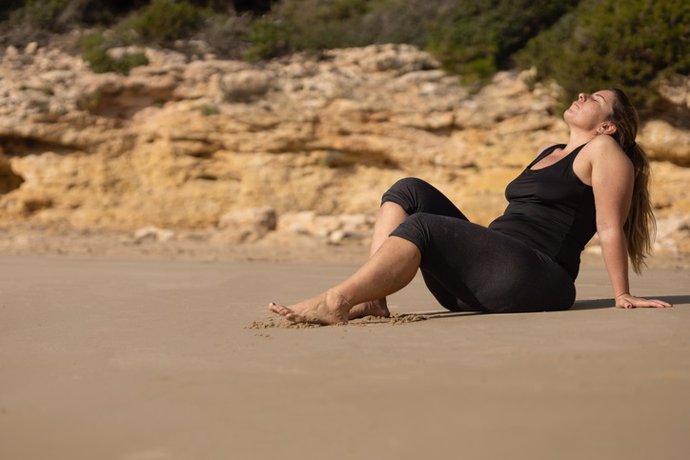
(589, 111)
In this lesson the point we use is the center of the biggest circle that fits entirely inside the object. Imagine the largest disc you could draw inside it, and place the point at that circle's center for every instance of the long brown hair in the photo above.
(640, 225)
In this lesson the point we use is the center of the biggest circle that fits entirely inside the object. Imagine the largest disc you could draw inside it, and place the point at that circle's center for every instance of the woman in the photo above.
(527, 259)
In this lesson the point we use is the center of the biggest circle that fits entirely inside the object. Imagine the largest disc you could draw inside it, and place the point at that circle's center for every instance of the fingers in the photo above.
(654, 303)
(636, 302)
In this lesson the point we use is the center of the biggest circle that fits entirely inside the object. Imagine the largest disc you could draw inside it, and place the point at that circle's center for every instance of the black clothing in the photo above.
(551, 210)
(507, 267)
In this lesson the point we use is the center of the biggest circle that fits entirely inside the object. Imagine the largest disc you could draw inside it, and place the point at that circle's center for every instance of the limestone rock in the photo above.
(663, 141)
(676, 90)
(9, 180)
(244, 85)
(673, 234)
(246, 225)
(152, 233)
(670, 193)
(393, 57)
(331, 228)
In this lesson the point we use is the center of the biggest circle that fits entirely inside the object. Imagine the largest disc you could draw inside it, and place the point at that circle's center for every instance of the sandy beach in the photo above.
(169, 167)
(136, 359)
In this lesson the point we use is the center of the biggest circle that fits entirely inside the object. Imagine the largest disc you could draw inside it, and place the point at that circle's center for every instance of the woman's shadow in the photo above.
(589, 304)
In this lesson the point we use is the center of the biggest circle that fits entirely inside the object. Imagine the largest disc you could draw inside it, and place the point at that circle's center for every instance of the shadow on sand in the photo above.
(578, 305)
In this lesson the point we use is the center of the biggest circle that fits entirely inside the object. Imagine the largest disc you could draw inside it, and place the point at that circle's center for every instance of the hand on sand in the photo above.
(628, 301)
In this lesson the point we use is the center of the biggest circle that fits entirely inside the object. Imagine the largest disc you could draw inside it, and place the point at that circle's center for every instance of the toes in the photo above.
(281, 310)
(289, 314)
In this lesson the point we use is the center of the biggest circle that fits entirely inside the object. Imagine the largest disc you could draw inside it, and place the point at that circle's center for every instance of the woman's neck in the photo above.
(578, 138)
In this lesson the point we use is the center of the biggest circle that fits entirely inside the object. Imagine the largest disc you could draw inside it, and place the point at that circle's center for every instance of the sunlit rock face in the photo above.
(180, 144)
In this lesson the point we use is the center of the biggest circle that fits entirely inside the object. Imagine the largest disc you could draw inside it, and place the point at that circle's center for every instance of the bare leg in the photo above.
(390, 269)
(389, 216)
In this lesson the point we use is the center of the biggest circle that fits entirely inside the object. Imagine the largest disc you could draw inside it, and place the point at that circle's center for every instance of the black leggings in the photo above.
(468, 267)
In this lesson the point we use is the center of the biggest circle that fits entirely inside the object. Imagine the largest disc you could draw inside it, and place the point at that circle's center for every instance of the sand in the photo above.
(148, 359)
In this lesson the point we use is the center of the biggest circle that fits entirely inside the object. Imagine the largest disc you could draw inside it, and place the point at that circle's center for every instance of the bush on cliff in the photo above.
(479, 37)
(41, 14)
(161, 21)
(95, 53)
(313, 25)
(473, 37)
(165, 20)
(582, 44)
(153, 20)
(602, 43)
(298, 25)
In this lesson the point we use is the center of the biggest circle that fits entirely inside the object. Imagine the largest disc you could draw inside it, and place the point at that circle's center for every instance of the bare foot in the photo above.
(327, 308)
(373, 308)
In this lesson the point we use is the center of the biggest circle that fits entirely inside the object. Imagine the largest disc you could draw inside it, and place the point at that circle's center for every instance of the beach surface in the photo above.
(145, 359)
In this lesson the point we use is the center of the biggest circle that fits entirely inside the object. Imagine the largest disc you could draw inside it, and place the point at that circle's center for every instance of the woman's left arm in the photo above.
(612, 184)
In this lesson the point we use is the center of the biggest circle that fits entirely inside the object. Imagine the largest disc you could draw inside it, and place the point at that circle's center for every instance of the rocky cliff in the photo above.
(303, 144)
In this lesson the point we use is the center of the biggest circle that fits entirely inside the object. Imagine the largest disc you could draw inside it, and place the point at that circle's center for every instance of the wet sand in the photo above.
(104, 358)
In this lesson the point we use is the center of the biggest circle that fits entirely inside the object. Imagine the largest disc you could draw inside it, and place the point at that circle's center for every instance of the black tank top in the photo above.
(550, 210)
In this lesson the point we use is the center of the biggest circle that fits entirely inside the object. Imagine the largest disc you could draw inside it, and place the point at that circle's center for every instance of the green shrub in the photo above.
(95, 53)
(269, 38)
(479, 37)
(312, 25)
(402, 21)
(101, 12)
(582, 44)
(226, 34)
(42, 14)
(165, 20)
(473, 37)
(611, 43)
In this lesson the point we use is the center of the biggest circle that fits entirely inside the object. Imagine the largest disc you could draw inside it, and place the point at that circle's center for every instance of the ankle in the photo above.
(333, 295)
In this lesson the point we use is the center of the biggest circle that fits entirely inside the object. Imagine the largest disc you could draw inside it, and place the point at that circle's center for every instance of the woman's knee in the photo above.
(410, 182)
(408, 186)
(406, 192)
(415, 195)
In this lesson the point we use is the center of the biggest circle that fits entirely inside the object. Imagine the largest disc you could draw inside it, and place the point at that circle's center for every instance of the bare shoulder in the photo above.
(604, 152)
(610, 166)
(603, 146)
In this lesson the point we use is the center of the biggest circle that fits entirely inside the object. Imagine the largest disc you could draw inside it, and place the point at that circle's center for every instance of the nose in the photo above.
(582, 97)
